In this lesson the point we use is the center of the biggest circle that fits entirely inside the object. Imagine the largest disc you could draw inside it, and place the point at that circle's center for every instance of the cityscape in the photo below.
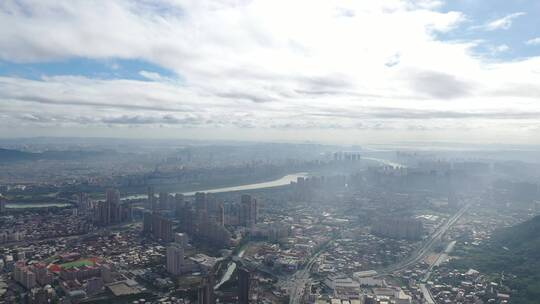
(356, 226)
(269, 152)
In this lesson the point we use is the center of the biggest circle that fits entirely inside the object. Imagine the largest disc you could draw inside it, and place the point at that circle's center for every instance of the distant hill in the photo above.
(521, 236)
(7, 155)
(516, 252)
(15, 155)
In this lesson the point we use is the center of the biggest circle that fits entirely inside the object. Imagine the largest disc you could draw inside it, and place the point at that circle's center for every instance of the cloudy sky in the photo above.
(330, 71)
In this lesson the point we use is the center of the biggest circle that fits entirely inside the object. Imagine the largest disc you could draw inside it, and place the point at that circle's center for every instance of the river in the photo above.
(285, 180)
(36, 205)
(385, 162)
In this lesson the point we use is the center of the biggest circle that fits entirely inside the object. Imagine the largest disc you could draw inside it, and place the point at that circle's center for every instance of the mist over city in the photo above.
(251, 151)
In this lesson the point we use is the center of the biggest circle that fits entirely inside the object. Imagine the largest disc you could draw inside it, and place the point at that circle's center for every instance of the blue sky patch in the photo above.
(502, 43)
(91, 68)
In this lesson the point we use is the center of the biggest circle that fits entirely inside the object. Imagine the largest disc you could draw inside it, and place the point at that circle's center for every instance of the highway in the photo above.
(440, 259)
(301, 278)
(428, 298)
(421, 253)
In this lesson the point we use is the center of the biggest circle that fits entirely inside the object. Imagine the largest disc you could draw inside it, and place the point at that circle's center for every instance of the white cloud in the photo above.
(152, 76)
(258, 64)
(498, 49)
(503, 23)
(502, 48)
(534, 41)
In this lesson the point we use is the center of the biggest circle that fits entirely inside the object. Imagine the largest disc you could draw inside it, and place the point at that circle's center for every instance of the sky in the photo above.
(348, 72)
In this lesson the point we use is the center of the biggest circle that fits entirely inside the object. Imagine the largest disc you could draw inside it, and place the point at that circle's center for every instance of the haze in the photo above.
(270, 151)
(327, 71)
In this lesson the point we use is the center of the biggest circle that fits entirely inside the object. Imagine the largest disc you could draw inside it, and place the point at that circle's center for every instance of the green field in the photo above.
(78, 263)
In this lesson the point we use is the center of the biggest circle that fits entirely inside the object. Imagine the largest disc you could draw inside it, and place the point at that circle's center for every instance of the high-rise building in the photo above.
(162, 228)
(211, 204)
(175, 259)
(117, 212)
(248, 211)
(112, 210)
(396, 227)
(198, 224)
(24, 275)
(178, 204)
(103, 216)
(187, 219)
(243, 285)
(181, 238)
(29, 279)
(208, 230)
(152, 202)
(166, 230)
(83, 201)
(147, 222)
(94, 285)
(156, 225)
(43, 277)
(3, 204)
(112, 196)
(221, 215)
(163, 200)
(200, 201)
(206, 290)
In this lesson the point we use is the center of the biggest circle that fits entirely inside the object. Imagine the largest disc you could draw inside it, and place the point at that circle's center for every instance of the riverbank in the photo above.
(285, 180)
(21, 206)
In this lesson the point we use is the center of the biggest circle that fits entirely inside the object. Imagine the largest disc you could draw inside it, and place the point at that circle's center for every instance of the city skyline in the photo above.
(269, 152)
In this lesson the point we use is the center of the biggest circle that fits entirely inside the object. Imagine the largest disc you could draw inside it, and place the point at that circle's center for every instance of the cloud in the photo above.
(413, 114)
(140, 119)
(252, 64)
(534, 41)
(36, 118)
(498, 49)
(501, 48)
(503, 23)
(84, 103)
(246, 96)
(392, 61)
(152, 76)
(439, 85)
(344, 12)
(517, 90)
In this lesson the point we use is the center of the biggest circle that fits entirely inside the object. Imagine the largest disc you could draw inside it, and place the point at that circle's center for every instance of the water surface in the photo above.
(285, 180)
(35, 205)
